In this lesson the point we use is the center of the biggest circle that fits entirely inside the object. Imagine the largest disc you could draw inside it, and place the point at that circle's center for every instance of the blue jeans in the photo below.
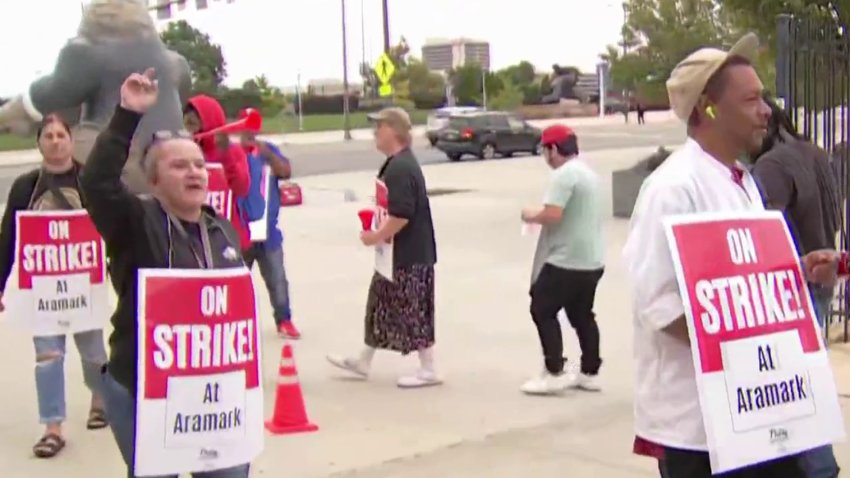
(50, 371)
(820, 462)
(273, 271)
(121, 414)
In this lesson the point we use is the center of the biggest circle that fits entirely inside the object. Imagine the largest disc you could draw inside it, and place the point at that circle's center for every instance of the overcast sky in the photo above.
(282, 38)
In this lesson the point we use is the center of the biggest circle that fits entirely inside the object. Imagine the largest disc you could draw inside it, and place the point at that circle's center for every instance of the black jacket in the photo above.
(137, 235)
(20, 198)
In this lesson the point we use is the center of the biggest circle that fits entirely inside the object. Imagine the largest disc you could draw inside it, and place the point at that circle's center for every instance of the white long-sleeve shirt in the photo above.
(667, 407)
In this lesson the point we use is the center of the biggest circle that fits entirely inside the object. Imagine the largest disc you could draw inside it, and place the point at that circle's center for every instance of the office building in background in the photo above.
(444, 55)
(165, 9)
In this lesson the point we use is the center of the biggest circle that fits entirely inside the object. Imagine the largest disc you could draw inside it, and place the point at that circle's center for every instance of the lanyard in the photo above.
(204, 262)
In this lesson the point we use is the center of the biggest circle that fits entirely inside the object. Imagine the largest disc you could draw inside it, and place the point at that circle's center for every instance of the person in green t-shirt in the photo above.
(567, 265)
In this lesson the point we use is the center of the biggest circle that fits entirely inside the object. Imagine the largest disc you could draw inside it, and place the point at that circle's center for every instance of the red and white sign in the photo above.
(219, 195)
(765, 383)
(199, 394)
(61, 274)
(383, 250)
(259, 229)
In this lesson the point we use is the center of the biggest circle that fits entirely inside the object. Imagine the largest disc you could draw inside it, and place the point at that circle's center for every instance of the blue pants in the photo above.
(820, 462)
(121, 414)
(273, 271)
(50, 370)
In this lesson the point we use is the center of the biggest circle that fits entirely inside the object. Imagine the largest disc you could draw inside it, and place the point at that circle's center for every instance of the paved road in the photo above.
(359, 155)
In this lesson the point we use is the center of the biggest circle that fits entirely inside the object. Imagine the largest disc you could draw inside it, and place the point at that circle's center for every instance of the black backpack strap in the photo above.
(60, 198)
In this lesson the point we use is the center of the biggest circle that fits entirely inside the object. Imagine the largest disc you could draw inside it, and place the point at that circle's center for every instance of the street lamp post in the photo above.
(386, 27)
(484, 87)
(300, 105)
(346, 124)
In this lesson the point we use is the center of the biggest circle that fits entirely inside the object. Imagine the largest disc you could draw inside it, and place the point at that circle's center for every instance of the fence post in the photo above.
(784, 50)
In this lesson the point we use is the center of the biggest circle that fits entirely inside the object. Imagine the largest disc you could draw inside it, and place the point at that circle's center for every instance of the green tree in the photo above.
(467, 85)
(521, 74)
(669, 30)
(510, 98)
(427, 88)
(272, 98)
(205, 58)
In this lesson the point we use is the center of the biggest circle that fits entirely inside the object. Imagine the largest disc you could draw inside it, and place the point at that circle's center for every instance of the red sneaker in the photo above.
(287, 330)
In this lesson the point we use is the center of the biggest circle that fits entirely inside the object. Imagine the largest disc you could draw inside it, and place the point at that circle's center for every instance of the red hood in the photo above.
(212, 116)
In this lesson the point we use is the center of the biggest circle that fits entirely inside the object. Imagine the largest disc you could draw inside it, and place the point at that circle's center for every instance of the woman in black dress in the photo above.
(400, 305)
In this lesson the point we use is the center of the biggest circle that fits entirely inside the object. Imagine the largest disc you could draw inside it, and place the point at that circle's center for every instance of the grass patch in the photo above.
(11, 142)
(276, 125)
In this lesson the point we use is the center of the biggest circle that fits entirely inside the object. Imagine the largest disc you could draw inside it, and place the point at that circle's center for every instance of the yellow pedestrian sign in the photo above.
(385, 90)
(384, 68)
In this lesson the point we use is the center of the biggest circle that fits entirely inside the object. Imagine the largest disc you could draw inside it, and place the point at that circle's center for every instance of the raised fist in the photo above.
(139, 92)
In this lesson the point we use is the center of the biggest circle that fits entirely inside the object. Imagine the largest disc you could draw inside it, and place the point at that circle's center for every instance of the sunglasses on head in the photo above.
(166, 135)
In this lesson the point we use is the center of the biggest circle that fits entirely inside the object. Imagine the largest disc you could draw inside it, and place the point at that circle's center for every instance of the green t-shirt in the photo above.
(577, 241)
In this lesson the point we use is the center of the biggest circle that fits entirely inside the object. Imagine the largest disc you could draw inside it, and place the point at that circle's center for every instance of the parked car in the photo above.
(440, 118)
(486, 134)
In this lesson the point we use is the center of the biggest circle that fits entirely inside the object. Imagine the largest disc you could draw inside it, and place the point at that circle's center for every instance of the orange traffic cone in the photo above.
(289, 413)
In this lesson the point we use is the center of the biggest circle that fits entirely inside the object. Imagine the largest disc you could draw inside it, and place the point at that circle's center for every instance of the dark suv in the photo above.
(486, 134)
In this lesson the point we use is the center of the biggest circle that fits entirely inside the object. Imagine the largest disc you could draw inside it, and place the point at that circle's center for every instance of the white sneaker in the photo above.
(421, 378)
(349, 365)
(545, 384)
(581, 381)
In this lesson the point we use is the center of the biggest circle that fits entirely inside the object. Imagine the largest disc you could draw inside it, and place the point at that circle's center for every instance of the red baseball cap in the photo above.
(556, 134)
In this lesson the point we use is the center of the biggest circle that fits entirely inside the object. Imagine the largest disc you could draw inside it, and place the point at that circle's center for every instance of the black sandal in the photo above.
(48, 446)
(97, 419)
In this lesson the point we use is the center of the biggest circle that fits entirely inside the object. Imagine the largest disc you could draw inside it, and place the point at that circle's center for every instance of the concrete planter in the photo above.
(626, 183)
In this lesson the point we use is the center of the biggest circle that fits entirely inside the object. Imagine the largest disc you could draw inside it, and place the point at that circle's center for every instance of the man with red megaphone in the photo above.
(204, 114)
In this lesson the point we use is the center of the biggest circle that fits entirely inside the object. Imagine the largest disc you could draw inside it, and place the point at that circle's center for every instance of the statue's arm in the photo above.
(74, 79)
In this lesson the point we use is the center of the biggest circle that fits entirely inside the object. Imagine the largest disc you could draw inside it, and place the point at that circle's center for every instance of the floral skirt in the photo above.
(400, 314)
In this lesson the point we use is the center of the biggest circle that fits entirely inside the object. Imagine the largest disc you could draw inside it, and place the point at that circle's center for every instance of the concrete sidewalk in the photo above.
(478, 424)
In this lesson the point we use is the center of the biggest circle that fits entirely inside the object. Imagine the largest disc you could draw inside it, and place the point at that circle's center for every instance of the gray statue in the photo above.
(563, 83)
(115, 38)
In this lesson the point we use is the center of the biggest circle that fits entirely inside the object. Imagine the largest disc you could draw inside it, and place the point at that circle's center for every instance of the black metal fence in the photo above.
(813, 80)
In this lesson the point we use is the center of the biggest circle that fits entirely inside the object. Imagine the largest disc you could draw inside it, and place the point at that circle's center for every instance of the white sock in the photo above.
(426, 359)
(366, 356)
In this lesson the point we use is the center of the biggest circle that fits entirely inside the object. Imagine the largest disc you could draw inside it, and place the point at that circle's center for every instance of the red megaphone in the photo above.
(249, 120)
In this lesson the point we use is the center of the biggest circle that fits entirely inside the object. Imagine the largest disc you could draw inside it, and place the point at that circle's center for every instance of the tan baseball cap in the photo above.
(395, 117)
(687, 81)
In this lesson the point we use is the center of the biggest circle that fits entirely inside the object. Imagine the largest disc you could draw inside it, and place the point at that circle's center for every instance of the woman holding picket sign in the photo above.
(171, 236)
(53, 186)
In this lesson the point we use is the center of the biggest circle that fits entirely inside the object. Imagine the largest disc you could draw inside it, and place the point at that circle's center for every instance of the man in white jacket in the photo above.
(719, 95)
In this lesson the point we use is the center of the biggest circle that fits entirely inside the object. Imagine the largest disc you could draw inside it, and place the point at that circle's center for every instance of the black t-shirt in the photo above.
(408, 199)
(66, 183)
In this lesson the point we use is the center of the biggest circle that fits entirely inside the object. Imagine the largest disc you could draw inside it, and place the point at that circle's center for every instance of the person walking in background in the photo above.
(796, 178)
(204, 113)
(55, 185)
(400, 308)
(269, 253)
(641, 110)
(567, 265)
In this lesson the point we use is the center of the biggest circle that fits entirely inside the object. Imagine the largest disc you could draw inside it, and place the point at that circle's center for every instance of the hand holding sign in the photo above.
(139, 92)
(821, 266)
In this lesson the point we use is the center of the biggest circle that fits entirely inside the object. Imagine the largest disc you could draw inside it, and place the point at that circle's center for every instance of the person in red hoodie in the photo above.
(203, 113)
